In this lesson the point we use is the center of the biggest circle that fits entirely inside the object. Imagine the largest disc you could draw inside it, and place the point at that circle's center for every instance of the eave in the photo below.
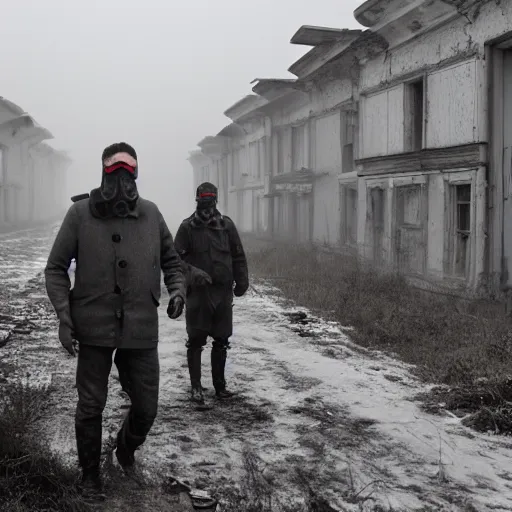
(24, 128)
(272, 88)
(398, 21)
(246, 108)
(324, 53)
(213, 146)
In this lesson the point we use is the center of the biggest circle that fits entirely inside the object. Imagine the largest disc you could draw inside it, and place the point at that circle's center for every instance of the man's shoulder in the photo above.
(187, 221)
(147, 205)
(228, 221)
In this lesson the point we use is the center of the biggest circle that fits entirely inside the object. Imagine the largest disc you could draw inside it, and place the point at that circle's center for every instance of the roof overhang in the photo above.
(11, 107)
(25, 128)
(273, 88)
(197, 158)
(245, 109)
(398, 21)
(213, 145)
(339, 42)
(232, 130)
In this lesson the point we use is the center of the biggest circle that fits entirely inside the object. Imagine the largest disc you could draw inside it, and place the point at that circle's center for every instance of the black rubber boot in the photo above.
(219, 357)
(91, 486)
(194, 368)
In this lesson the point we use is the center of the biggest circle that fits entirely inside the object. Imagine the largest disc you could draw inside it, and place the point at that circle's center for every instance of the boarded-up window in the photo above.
(254, 159)
(411, 228)
(328, 143)
(299, 147)
(453, 105)
(349, 215)
(459, 254)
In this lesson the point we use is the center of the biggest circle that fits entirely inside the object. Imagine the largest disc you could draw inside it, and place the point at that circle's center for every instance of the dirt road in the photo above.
(317, 411)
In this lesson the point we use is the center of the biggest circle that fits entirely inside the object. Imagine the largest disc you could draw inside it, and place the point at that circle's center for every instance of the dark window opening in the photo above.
(415, 95)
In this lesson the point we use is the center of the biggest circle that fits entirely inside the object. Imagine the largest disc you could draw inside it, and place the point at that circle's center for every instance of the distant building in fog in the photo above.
(32, 174)
(394, 142)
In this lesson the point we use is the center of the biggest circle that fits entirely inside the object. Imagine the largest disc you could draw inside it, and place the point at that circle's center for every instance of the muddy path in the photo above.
(312, 412)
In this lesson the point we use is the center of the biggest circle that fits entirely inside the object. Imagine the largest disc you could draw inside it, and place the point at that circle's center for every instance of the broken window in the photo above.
(461, 200)
(298, 147)
(349, 219)
(414, 122)
(411, 223)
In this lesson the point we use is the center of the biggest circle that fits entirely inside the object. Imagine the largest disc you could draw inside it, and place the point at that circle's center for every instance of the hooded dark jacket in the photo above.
(118, 276)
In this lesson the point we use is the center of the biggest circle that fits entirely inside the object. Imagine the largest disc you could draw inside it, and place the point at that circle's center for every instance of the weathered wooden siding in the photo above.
(452, 106)
(382, 123)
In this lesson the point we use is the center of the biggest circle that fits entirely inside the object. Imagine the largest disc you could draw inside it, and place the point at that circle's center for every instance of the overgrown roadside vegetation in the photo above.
(463, 345)
(31, 477)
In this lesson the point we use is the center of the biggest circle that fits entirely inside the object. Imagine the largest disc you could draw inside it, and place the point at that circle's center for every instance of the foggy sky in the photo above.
(157, 74)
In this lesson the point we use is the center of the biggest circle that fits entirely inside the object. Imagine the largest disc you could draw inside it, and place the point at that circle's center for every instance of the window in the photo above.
(298, 147)
(349, 220)
(347, 143)
(377, 203)
(205, 173)
(461, 201)
(280, 152)
(414, 121)
(411, 223)
(254, 159)
(262, 158)
(2, 163)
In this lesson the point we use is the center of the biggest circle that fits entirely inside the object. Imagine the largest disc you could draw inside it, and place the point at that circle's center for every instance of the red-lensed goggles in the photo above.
(206, 195)
(119, 161)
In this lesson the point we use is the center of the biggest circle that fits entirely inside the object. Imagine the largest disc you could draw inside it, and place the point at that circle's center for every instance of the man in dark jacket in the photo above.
(121, 245)
(210, 242)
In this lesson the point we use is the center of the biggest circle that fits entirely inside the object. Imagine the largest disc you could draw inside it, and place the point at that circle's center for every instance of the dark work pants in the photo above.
(139, 373)
(209, 313)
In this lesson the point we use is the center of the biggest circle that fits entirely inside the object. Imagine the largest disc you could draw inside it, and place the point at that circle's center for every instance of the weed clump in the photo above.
(31, 478)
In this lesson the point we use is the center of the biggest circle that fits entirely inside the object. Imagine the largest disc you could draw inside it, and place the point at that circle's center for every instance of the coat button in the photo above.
(123, 264)
(116, 238)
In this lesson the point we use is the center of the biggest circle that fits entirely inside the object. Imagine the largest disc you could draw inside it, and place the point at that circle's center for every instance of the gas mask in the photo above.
(119, 191)
(117, 196)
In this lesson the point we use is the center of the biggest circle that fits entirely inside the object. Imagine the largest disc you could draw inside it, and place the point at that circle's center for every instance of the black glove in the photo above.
(176, 305)
(240, 289)
(198, 277)
(66, 334)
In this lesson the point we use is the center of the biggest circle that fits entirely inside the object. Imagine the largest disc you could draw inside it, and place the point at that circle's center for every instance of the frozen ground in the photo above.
(310, 404)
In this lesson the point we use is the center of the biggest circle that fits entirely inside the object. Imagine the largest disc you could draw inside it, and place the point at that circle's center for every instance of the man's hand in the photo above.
(176, 305)
(198, 277)
(240, 290)
(66, 336)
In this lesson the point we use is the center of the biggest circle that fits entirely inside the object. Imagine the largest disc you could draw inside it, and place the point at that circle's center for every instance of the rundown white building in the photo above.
(394, 140)
(32, 174)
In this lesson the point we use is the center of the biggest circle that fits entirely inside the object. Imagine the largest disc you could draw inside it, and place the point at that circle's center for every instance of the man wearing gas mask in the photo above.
(210, 242)
(121, 245)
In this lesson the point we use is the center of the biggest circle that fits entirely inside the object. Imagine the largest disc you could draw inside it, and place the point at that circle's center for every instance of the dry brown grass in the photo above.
(31, 478)
(465, 344)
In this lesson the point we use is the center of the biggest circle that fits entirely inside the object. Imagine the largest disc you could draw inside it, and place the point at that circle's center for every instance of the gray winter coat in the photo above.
(118, 275)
